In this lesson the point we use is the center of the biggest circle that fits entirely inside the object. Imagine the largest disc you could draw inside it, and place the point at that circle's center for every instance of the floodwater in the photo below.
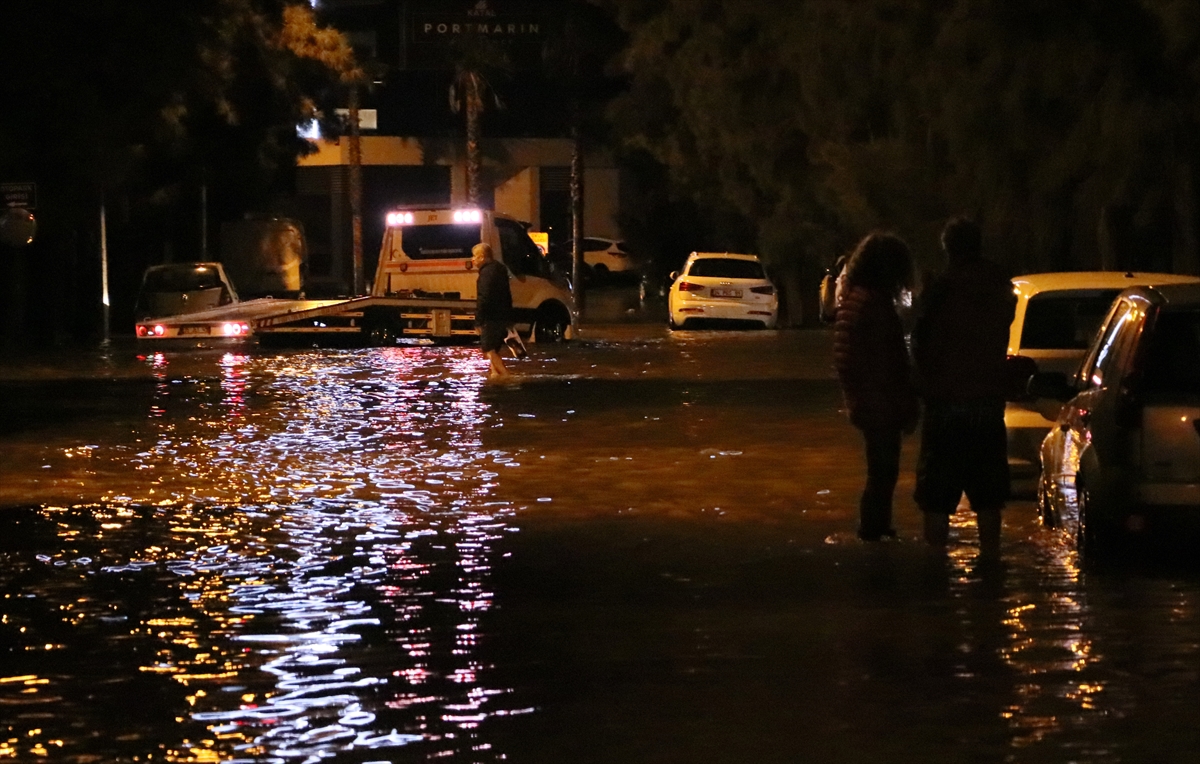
(642, 552)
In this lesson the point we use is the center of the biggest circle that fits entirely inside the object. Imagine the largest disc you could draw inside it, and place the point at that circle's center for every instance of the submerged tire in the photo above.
(1096, 536)
(550, 323)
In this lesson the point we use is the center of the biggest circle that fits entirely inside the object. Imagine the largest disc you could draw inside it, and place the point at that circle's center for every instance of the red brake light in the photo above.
(687, 286)
(159, 330)
(763, 289)
(141, 331)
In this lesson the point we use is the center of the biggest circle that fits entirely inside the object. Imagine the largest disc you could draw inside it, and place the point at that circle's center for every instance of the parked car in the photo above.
(722, 287)
(1057, 316)
(601, 257)
(1125, 453)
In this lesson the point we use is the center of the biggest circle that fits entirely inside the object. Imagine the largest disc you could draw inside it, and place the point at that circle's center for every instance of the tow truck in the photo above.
(424, 289)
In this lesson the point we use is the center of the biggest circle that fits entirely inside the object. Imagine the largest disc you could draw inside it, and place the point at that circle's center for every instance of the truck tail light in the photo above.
(763, 289)
(235, 329)
(159, 330)
(687, 286)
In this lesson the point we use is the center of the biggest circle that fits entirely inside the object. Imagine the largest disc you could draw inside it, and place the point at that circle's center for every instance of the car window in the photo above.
(595, 245)
(1112, 346)
(1065, 320)
(519, 252)
(182, 279)
(439, 242)
(1173, 354)
(726, 268)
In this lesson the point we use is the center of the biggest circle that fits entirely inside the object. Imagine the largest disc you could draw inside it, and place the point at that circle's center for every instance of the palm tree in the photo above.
(478, 62)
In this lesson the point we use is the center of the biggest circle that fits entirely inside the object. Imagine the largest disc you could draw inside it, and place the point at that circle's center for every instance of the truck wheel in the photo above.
(550, 323)
(382, 335)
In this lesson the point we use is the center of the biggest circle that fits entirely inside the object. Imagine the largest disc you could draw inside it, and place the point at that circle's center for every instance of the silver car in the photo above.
(1125, 451)
(1057, 316)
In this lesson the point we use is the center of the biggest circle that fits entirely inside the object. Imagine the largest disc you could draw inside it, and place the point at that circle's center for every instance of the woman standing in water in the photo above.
(875, 370)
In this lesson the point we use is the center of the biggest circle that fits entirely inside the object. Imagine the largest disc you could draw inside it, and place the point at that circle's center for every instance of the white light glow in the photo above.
(309, 131)
(399, 218)
(468, 216)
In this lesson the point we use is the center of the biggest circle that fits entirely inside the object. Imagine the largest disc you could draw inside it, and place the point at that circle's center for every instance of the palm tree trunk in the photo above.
(356, 234)
(474, 106)
(577, 212)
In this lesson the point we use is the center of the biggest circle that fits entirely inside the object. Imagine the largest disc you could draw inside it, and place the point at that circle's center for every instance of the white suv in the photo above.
(1126, 451)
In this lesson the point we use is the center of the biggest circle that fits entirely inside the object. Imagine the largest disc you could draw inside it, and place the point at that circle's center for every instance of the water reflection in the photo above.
(319, 536)
(306, 557)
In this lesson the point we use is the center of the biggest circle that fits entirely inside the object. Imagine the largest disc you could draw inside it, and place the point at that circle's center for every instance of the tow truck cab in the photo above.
(426, 253)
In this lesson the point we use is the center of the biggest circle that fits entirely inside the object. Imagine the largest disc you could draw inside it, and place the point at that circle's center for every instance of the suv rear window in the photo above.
(1173, 355)
(1065, 320)
(726, 268)
(185, 278)
(439, 242)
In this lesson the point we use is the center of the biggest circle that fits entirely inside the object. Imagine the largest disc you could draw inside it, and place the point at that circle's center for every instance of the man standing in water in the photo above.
(493, 308)
(960, 345)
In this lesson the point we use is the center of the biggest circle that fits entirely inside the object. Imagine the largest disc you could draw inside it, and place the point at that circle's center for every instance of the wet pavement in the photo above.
(641, 552)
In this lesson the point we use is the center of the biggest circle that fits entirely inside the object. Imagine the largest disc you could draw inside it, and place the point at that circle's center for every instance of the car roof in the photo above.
(726, 255)
(1033, 283)
(1177, 295)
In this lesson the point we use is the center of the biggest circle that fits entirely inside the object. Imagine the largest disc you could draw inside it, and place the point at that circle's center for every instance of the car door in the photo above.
(1170, 417)
(1097, 442)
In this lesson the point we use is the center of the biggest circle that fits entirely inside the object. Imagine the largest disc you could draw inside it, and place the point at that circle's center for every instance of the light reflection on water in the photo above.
(305, 556)
(328, 558)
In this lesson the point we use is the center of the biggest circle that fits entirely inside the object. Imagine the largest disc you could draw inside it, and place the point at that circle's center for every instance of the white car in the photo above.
(716, 287)
(606, 256)
(1056, 318)
(1126, 452)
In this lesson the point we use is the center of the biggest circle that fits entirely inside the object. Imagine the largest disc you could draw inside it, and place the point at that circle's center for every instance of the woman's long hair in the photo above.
(881, 261)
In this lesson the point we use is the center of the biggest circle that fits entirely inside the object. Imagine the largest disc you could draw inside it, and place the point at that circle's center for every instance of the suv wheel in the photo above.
(1095, 534)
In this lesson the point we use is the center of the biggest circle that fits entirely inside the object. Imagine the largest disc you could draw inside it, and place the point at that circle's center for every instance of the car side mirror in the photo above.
(1018, 370)
(674, 275)
(1050, 384)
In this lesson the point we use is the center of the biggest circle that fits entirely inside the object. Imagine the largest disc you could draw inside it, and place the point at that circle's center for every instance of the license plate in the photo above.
(726, 293)
(193, 330)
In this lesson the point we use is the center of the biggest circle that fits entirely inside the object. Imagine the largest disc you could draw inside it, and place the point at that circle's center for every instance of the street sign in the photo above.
(22, 195)
(542, 240)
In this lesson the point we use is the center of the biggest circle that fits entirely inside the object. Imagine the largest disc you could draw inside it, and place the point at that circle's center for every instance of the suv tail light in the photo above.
(687, 286)
(763, 289)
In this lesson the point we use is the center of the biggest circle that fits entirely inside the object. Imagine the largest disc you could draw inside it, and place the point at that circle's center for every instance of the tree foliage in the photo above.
(140, 102)
(1067, 128)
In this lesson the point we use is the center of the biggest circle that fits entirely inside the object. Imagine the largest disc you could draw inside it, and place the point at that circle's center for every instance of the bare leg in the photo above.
(497, 368)
(989, 524)
(937, 529)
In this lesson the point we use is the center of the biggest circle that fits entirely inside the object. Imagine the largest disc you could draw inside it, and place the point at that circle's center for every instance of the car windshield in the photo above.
(1065, 320)
(1173, 356)
(439, 242)
(183, 278)
(726, 268)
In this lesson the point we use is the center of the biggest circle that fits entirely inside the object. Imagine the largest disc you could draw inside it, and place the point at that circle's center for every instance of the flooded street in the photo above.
(642, 552)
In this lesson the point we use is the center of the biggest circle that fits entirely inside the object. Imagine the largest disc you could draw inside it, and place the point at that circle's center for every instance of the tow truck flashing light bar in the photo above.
(395, 219)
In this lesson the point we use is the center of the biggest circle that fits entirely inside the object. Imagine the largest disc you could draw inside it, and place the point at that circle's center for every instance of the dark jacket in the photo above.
(872, 362)
(493, 301)
(960, 342)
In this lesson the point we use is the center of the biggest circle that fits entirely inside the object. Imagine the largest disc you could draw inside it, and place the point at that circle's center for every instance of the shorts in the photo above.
(491, 335)
(964, 449)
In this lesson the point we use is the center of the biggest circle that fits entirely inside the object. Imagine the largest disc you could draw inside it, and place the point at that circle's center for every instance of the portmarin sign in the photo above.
(483, 18)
